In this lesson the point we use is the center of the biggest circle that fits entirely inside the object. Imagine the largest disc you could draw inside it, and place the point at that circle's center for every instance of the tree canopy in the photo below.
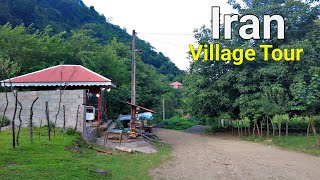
(258, 87)
(37, 34)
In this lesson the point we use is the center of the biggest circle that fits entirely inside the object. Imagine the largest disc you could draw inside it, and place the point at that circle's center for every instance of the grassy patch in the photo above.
(68, 157)
(293, 142)
(178, 123)
(4, 122)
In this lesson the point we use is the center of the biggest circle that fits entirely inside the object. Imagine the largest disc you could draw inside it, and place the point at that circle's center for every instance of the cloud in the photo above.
(154, 20)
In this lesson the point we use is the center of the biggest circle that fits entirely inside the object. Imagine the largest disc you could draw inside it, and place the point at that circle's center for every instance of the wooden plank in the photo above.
(125, 149)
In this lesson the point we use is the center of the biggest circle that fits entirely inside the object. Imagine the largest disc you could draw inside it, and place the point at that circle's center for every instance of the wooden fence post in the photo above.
(48, 121)
(64, 119)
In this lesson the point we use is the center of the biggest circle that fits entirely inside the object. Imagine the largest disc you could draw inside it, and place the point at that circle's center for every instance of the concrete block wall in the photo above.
(70, 98)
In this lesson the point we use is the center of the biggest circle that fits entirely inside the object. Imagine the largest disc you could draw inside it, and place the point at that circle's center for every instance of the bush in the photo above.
(298, 123)
(46, 125)
(316, 120)
(283, 118)
(71, 131)
(178, 123)
(246, 122)
(155, 120)
(119, 125)
(4, 121)
(217, 128)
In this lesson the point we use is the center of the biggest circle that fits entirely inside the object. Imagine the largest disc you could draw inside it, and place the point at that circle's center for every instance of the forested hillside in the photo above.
(35, 34)
(256, 90)
(68, 15)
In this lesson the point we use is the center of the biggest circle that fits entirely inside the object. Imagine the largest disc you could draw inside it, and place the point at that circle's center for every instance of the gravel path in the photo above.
(203, 157)
(196, 129)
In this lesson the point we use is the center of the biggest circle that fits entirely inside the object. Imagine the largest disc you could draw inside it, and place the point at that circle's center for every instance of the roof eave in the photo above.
(36, 84)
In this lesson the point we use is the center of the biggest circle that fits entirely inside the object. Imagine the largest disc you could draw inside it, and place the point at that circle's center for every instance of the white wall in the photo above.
(70, 98)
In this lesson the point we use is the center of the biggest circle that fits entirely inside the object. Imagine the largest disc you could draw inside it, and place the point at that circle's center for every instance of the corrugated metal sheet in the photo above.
(176, 84)
(61, 75)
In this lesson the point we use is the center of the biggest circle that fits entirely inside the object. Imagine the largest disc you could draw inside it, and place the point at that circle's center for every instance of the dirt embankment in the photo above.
(205, 157)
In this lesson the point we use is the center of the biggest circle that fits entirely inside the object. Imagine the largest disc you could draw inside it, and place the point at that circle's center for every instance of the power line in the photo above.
(168, 34)
(169, 43)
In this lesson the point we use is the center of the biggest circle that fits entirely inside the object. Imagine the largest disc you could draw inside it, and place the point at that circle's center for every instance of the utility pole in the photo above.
(163, 111)
(133, 131)
(133, 73)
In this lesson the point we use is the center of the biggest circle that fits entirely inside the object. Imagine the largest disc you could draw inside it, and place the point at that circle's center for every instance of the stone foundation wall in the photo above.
(70, 98)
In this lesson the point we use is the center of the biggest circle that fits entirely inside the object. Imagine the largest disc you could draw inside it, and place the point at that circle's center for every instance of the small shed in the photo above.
(73, 87)
(176, 85)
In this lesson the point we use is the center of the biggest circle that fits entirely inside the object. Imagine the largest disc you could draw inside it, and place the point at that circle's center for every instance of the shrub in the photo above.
(246, 122)
(316, 120)
(178, 123)
(298, 124)
(119, 125)
(155, 120)
(71, 131)
(46, 125)
(4, 121)
(283, 118)
(217, 128)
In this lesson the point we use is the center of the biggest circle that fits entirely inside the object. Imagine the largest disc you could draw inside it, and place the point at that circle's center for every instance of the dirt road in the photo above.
(206, 157)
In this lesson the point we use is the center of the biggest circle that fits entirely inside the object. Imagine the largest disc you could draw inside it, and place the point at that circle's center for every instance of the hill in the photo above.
(68, 15)
(35, 34)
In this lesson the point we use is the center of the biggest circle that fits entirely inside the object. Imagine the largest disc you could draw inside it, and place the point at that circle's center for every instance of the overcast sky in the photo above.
(165, 17)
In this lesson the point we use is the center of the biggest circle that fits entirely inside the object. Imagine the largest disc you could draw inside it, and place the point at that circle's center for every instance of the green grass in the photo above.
(178, 123)
(68, 157)
(293, 142)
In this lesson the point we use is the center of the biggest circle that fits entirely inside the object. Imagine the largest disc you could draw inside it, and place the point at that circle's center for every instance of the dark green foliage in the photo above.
(51, 125)
(31, 52)
(119, 125)
(178, 123)
(259, 89)
(4, 121)
(71, 131)
(69, 15)
(155, 120)
(67, 32)
(216, 128)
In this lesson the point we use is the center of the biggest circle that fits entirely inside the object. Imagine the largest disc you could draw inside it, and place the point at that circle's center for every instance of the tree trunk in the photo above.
(245, 131)
(261, 128)
(273, 129)
(48, 120)
(13, 124)
(30, 120)
(258, 129)
(287, 128)
(314, 131)
(254, 129)
(20, 122)
(58, 112)
(279, 125)
(40, 129)
(75, 127)
(308, 130)
(241, 128)
(64, 119)
(232, 126)
(267, 126)
(5, 108)
(238, 128)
